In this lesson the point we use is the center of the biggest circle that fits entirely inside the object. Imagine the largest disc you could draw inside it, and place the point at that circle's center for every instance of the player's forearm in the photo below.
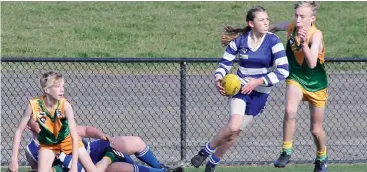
(75, 148)
(309, 56)
(16, 143)
(93, 132)
(278, 27)
(273, 28)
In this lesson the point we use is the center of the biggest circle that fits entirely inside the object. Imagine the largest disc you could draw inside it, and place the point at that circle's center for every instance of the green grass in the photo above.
(158, 29)
(264, 168)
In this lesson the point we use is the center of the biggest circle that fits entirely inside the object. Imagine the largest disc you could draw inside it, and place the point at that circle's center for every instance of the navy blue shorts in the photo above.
(97, 148)
(255, 103)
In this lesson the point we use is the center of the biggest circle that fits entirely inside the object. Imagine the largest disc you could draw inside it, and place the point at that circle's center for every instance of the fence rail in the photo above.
(149, 60)
(173, 105)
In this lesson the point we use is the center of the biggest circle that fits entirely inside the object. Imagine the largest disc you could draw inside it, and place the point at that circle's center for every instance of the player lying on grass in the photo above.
(127, 144)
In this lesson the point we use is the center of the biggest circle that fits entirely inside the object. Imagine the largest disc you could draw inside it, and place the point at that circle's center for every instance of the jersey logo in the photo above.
(242, 56)
(244, 50)
(43, 119)
(291, 41)
(58, 113)
(42, 116)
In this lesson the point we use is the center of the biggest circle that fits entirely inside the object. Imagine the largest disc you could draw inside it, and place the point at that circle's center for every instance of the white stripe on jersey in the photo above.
(225, 66)
(254, 71)
(277, 47)
(222, 71)
(233, 45)
(281, 61)
(283, 72)
(228, 56)
(260, 88)
(273, 78)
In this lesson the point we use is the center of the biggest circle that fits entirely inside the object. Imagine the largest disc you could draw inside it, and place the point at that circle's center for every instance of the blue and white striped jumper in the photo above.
(267, 61)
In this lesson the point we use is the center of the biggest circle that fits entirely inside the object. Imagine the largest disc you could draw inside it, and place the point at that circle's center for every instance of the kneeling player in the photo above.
(97, 148)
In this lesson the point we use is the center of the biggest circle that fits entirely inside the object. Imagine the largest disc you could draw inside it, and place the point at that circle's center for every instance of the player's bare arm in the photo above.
(311, 54)
(90, 132)
(283, 26)
(14, 166)
(74, 135)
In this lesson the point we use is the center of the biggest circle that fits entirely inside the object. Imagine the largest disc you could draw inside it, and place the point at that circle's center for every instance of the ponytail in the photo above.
(231, 34)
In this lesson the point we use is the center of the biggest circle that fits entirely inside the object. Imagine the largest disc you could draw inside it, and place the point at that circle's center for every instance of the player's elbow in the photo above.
(312, 65)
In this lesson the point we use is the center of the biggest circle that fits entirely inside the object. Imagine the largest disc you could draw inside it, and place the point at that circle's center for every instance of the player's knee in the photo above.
(129, 144)
(135, 140)
(234, 128)
(290, 113)
(316, 131)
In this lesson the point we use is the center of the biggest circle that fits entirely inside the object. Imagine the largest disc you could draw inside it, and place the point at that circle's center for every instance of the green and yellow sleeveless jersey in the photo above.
(310, 79)
(54, 125)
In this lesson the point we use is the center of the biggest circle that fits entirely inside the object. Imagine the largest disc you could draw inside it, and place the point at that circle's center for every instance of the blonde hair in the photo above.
(314, 5)
(49, 78)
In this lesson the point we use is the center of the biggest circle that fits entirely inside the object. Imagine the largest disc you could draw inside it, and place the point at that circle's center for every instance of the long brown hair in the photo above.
(231, 33)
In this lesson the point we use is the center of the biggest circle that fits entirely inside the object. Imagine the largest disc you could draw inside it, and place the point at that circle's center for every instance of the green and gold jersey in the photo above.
(54, 125)
(310, 79)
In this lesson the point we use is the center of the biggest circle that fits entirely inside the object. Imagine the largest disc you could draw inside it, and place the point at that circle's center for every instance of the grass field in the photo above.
(292, 168)
(165, 29)
(158, 29)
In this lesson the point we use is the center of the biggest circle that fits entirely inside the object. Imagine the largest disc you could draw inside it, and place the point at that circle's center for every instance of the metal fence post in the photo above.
(183, 109)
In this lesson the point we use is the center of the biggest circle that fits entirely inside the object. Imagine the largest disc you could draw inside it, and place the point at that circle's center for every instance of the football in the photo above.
(231, 84)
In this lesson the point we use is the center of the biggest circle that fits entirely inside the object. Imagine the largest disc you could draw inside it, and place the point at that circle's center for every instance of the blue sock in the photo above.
(128, 159)
(208, 150)
(213, 160)
(148, 157)
(140, 168)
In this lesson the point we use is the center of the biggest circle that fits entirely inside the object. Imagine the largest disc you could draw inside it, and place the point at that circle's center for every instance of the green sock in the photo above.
(111, 156)
(321, 155)
(287, 147)
(57, 168)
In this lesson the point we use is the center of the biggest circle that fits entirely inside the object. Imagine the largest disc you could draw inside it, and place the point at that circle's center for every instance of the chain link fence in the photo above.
(173, 105)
